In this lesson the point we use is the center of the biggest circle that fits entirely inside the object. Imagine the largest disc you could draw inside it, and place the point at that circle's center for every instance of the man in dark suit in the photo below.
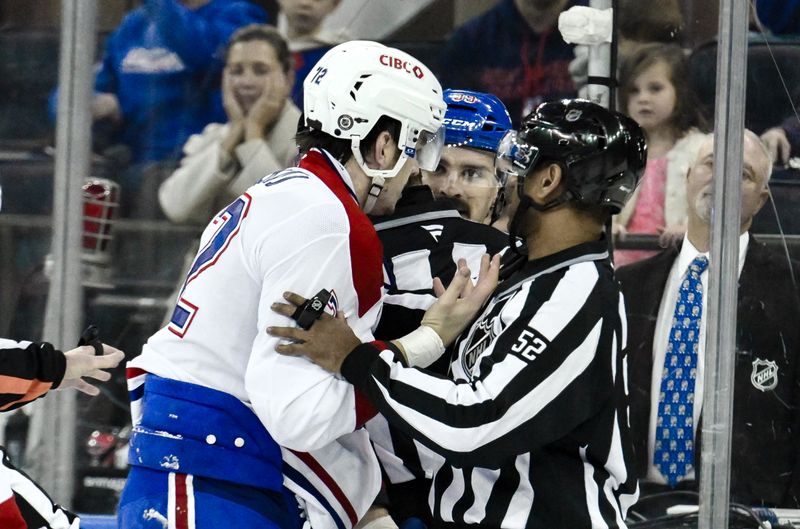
(766, 430)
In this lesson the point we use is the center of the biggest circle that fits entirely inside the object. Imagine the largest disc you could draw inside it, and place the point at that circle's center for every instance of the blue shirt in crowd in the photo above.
(164, 64)
(499, 53)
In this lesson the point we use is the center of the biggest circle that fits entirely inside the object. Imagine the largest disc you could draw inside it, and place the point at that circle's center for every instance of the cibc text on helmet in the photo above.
(400, 64)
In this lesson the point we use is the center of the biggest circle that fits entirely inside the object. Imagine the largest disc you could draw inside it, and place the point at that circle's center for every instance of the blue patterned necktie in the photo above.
(674, 442)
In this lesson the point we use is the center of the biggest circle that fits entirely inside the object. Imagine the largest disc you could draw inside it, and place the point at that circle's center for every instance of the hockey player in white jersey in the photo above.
(226, 431)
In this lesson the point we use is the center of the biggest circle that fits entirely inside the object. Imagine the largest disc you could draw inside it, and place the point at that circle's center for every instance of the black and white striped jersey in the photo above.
(24, 504)
(530, 428)
(424, 238)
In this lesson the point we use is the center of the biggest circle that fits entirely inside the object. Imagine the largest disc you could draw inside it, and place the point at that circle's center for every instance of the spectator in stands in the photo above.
(257, 138)
(159, 77)
(783, 141)
(654, 91)
(781, 17)
(158, 83)
(465, 174)
(513, 51)
(666, 328)
(640, 22)
(646, 21)
(301, 24)
(28, 371)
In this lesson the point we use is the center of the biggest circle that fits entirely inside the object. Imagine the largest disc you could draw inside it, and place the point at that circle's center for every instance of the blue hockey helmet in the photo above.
(475, 120)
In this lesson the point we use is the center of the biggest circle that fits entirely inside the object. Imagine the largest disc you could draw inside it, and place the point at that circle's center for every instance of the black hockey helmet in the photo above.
(604, 152)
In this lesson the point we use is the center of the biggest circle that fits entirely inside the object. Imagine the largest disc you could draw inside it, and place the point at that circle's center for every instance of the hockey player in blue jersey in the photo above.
(425, 238)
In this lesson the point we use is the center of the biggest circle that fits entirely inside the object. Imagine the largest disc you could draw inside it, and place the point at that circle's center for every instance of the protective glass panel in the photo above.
(153, 187)
(667, 289)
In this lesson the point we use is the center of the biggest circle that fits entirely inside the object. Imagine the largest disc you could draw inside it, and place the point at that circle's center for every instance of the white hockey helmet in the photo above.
(357, 82)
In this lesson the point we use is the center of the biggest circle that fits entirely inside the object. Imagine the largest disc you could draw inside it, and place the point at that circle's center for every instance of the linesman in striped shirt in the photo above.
(530, 428)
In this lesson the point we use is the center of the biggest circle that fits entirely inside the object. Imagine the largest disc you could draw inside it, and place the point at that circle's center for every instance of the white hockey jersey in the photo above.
(299, 230)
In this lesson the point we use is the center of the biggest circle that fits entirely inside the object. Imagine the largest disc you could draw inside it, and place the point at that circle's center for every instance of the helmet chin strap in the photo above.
(374, 192)
(516, 226)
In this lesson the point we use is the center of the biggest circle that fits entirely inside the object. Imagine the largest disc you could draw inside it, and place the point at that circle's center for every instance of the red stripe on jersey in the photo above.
(131, 372)
(364, 409)
(181, 503)
(10, 517)
(366, 251)
(326, 478)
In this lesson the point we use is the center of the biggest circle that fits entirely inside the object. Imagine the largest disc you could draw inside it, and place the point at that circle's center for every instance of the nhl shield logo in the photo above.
(765, 374)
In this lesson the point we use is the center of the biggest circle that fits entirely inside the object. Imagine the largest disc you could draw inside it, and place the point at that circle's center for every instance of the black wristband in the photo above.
(306, 314)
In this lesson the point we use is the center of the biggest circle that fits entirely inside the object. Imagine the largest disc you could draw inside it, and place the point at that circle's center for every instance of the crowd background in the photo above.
(133, 268)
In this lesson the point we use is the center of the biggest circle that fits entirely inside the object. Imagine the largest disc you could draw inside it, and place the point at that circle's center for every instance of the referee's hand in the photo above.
(82, 362)
(458, 305)
(326, 343)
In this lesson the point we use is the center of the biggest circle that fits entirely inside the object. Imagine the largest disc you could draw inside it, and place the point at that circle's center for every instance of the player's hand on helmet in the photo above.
(458, 305)
(326, 343)
(267, 108)
(83, 362)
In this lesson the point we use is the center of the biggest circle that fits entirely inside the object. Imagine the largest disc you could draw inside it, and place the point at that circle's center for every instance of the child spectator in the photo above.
(641, 22)
(300, 23)
(654, 92)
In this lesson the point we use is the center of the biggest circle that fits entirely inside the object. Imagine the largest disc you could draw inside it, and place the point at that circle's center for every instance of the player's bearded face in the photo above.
(466, 177)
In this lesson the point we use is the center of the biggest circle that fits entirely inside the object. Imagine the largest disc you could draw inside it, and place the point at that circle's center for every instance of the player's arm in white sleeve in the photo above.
(303, 406)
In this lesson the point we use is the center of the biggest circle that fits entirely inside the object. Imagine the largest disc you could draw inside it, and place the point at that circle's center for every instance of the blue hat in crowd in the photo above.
(474, 119)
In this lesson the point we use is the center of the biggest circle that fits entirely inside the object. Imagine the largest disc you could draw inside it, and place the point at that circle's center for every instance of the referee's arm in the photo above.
(28, 371)
(526, 395)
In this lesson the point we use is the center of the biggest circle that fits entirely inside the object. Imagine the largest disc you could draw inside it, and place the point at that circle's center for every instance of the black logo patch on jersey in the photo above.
(530, 344)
